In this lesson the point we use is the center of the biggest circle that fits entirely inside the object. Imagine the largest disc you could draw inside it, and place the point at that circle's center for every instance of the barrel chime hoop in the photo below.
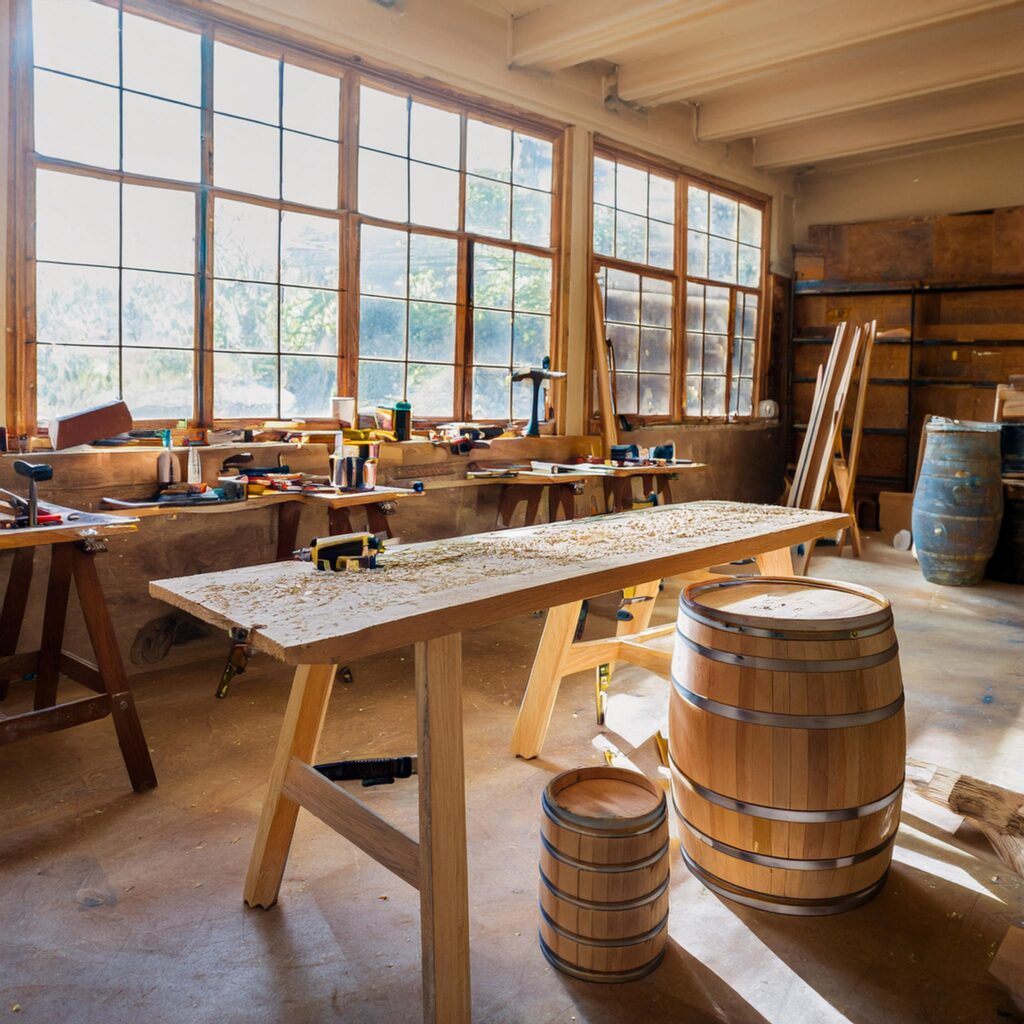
(603, 869)
(599, 976)
(780, 721)
(585, 940)
(790, 664)
(585, 826)
(576, 901)
(785, 813)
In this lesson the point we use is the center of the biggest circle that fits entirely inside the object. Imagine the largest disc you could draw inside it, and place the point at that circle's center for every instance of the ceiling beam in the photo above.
(766, 36)
(569, 32)
(980, 108)
(950, 55)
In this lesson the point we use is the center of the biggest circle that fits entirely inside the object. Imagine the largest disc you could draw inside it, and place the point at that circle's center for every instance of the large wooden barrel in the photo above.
(603, 874)
(958, 501)
(787, 741)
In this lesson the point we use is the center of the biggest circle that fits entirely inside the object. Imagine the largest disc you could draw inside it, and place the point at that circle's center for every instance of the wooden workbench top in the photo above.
(303, 616)
(80, 526)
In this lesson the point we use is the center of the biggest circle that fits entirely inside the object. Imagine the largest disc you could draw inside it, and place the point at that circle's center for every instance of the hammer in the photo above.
(536, 374)
(35, 471)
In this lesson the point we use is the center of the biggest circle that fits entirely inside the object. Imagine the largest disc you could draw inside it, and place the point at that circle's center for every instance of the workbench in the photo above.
(73, 545)
(421, 595)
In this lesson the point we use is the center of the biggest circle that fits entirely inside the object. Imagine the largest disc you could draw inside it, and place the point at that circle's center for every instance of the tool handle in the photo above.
(372, 771)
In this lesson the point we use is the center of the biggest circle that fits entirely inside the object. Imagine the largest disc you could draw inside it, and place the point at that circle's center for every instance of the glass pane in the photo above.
(383, 261)
(487, 207)
(531, 161)
(244, 385)
(309, 320)
(432, 332)
(431, 388)
(531, 217)
(631, 189)
(625, 343)
(723, 221)
(245, 84)
(310, 171)
(715, 348)
(654, 394)
(745, 406)
(747, 359)
(244, 316)
(530, 334)
(78, 38)
(309, 250)
(382, 327)
(749, 272)
(693, 391)
(380, 383)
(159, 231)
(433, 196)
(307, 384)
(161, 60)
(750, 225)
(716, 311)
(77, 218)
(721, 259)
(492, 337)
(604, 181)
(157, 383)
(655, 350)
(625, 392)
(663, 199)
(383, 186)
(533, 283)
(631, 237)
(75, 305)
(433, 267)
(245, 241)
(656, 305)
(383, 121)
(694, 353)
(714, 396)
(697, 208)
(311, 101)
(694, 307)
(490, 394)
(157, 310)
(750, 318)
(76, 120)
(622, 301)
(604, 230)
(488, 150)
(696, 254)
(161, 138)
(492, 276)
(434, 136)
(661, 244)
(246, 156)
(71, 378)
(522, 400)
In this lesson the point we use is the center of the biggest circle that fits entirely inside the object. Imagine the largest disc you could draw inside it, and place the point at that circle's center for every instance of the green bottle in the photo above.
(403, 421)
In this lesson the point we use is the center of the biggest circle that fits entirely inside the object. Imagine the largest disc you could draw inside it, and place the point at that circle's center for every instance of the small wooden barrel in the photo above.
(787, 741)
(603, 874)
(958, 501)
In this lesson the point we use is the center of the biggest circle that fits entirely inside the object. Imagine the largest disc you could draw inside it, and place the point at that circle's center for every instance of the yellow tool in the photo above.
(344, 552)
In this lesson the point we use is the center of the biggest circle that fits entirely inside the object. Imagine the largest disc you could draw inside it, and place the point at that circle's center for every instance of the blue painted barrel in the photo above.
(958, 503)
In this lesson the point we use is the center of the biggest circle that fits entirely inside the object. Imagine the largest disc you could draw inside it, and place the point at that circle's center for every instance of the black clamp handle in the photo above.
(371, 771)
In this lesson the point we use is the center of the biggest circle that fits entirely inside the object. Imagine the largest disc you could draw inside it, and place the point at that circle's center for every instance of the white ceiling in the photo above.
(807, 80)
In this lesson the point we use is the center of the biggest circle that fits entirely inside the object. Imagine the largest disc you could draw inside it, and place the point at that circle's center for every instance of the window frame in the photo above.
(281, 44)
(683, 177)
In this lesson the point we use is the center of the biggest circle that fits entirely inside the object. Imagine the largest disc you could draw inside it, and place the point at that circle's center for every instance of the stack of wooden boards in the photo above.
(1010, 401)
(823, 456)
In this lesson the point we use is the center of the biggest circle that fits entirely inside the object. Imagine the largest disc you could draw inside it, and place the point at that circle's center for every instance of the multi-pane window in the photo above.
(723, 269)
(638, 318)
(634, 214)
(428, 332)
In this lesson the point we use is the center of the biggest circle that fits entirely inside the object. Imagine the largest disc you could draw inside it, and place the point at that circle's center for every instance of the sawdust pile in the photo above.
(274, 596)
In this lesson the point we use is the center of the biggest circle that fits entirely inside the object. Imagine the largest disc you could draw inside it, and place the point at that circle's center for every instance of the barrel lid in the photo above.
(603, 796)
(939, 424)
(774, 605)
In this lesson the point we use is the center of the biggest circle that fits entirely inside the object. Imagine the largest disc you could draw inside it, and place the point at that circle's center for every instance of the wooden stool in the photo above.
(69, 559)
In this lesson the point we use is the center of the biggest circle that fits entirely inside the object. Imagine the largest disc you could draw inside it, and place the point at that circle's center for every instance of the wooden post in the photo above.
(12, 615)
(300, 734)
(288, 513)
(443, 875)
(54, 615)
(545, 677)
(775, 563)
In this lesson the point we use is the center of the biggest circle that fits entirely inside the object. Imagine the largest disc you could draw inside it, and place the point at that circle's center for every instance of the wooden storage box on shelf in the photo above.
(786, 741)
(604, 874)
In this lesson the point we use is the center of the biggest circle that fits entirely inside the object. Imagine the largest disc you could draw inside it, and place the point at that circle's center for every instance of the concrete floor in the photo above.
(122, 908)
